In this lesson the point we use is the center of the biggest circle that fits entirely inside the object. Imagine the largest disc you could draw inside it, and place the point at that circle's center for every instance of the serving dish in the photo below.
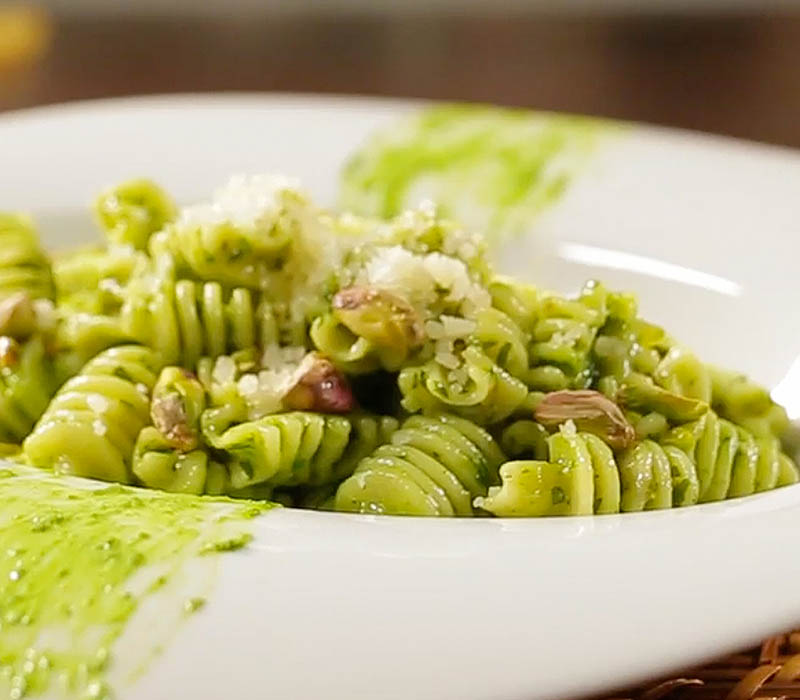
(327, 605)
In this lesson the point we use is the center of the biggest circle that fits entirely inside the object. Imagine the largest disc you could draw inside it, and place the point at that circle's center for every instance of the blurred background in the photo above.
(727, 66)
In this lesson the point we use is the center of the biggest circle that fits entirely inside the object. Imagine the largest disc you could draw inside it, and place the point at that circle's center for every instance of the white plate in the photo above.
(340, 607)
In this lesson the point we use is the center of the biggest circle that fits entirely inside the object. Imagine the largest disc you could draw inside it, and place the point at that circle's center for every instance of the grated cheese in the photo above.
(245, 201)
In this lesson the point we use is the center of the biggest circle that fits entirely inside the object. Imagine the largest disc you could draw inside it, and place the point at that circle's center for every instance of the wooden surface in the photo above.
(770, 671)
(737, 75)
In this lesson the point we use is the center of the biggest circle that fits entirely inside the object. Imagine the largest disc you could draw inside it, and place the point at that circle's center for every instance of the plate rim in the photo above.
(360, 100)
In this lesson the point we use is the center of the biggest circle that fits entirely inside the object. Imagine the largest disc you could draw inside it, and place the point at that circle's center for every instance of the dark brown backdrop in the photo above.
(737, 75)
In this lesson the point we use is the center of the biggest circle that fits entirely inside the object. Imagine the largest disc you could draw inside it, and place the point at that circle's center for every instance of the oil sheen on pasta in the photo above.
(75, 564)
(493, 169)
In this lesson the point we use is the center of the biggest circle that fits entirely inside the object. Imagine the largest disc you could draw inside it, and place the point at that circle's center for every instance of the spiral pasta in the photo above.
(368, 329)
(353, 353)
(157, 464)
(745, 403)
(433, 466)
(730, 460)
(91, 425)
(299, 448)
(24, 267)
(479, 390)
(240, 238)
(573, 473)
(185, 320)
(133, 211)
(517, 300)
(479, 374)
(91, 286)
(94, 281)
(563, 339)
(27, 381)
(626, 344)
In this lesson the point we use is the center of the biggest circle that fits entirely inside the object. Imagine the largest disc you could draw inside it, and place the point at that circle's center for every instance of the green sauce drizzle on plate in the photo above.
(490, 168)
(76, 563)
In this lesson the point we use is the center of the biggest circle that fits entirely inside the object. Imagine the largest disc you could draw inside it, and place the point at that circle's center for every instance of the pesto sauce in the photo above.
(76, 562)
(491, 168)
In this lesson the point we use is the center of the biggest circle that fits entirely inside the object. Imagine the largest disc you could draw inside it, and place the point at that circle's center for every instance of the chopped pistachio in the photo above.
(319, 386)
(590, 411)
(18, 316)
(9, 352)
(178, 401)
(381, 317)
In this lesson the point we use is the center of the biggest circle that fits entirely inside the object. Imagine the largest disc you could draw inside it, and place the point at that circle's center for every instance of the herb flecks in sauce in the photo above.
(75, 563)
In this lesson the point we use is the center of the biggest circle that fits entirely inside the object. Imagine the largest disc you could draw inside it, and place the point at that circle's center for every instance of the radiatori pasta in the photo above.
(260, 347)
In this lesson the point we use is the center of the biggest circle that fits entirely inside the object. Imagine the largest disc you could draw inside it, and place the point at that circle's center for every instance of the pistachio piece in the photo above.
(642, 394)
(18, 316)
(9, 352)
(381, 317)
(590, 411)
(319, 386)
(178, 401)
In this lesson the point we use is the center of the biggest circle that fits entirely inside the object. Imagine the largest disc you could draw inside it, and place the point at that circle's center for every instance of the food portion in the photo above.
(258, 346)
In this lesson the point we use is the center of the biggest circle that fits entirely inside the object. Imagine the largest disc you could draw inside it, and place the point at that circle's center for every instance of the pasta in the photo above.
(91, 285)
(487, 393)
(433, 466)
(27, 381)
(90, 427)
(94, 280)
(743, 402)
(256, 346)
(186, 320)
(563, 339)
(299, 448)
(23, 265)
(367, 330)
(133, 211)
(574, 473)
(234, 241)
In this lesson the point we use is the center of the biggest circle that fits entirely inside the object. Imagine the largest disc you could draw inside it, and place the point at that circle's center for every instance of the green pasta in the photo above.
(94, 280)
(259, 347)
(186, 320)
(238, 250)
(563, 338)
(133, 211)
(299, 448)
(433, 466)
(157, 464)
(91, 425)
(626, 344)
(367, 330)
(27, 381)
(24, 267)
(487, 394)
(572, 473)
(91, 286)
(742, 401)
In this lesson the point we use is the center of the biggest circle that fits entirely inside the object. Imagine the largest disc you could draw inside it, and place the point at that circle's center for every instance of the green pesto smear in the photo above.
(493, 169)
(77, 563)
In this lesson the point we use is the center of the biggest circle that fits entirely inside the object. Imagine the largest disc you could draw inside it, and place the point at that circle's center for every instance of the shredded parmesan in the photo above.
(245, 201)
(98, 403)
